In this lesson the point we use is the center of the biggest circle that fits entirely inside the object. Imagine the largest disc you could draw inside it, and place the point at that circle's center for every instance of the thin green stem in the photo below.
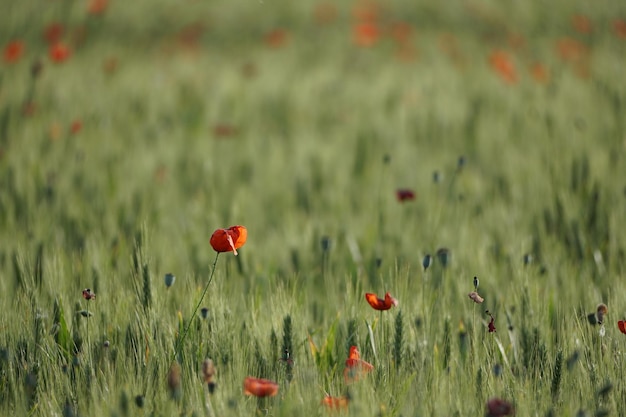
(180, 341)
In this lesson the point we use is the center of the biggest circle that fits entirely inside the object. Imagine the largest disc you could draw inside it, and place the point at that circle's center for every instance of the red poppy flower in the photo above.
(96, 7)
(365, 34)
(229, 240)
(13, 51)
(76, 126)
(336, 403)
(582, 24)
(355, 366)
(619, 27)
(499, 408)
(276, 38)
(59, 52)
(404, 194)
(492, 323)
(88, 295)
(380, 304)
(53, 33)
(259, 387)
(503, 65)
(622, 326)
(539, 73)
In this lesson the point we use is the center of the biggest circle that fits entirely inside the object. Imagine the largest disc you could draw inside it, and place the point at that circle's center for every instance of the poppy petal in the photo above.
(622, 326)
(259, 387)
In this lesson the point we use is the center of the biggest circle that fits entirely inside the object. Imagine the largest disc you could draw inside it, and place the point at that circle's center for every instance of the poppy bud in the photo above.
(601, 311)
(204, 312)
(476, 282)
(443, 255)
(427, 261)
(169, 279)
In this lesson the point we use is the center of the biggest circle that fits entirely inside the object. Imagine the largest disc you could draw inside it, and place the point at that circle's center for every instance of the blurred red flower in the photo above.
(96, 7)
(325, 13)
(502, 64)
(540, 73)
(76, 126)
(53, 32)
(405, 194)
(13, 51)
(499, 408)
(380, 304)
(355, 366)
(621, 324)
(59, 52)
(259, 387)
(365, 34)
(582, 24)
(276, 38)
(619, 27)
(336, 403)
(229, 240)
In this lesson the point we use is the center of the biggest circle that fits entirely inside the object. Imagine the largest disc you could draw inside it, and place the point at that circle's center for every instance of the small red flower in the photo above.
(76, 126)
(492, 323)
(405, 194)
(380, 304)
(13, 51)
(276, 38)
(97, 7)
(502, 64)
(88, 295)
(621, 324)
(355, 366)
(365, 34)
(259, 387)
(499, 408)
(229, 240)
(619, 27)
(336, 403)
(59, 52)
(53, 33)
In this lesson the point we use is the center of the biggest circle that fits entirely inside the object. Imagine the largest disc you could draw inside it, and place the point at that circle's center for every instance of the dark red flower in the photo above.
(405, 194)
(499, 408)
(621, 324)
(492, 323)
(88, 294)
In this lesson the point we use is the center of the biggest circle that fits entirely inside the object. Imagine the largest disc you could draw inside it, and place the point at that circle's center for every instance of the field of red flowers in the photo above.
(285, 208)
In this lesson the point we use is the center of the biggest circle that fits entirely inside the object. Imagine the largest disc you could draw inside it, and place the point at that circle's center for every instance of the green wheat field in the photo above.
(131, 131)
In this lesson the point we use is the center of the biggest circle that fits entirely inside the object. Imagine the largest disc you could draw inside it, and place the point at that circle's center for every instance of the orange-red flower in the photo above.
(539, 73)
(381, 304)
(59, 52)
(621, 324)
(96, 7)
(276, 38)
(259, 387)
(355, 366)
(502, 63)
(13, 51)
(365, 34)
(336, 403)
(229, 240)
